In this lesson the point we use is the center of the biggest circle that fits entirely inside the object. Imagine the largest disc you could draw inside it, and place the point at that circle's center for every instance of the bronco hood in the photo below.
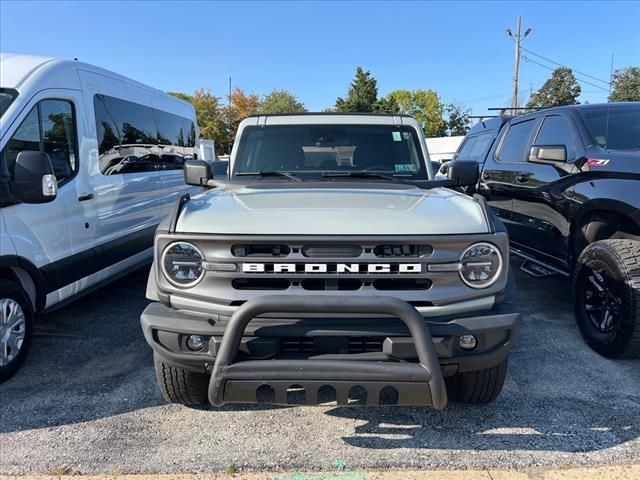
(296, 210)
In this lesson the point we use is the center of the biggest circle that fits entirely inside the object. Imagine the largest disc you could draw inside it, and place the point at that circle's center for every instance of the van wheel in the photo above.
(606, 297)
(479, 386)
(181, 386)
(16, 327)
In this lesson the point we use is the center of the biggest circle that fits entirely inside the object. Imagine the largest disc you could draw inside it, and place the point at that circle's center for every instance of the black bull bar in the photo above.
(416, 383)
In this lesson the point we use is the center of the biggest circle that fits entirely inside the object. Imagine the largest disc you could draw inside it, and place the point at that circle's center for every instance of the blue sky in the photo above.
(459, 49)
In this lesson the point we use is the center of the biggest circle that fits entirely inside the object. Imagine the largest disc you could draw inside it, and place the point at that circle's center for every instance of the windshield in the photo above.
(314, 150)
(6, 97)
(614, 127)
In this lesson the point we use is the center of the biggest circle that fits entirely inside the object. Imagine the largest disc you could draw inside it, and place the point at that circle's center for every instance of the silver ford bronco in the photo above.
(330, 267)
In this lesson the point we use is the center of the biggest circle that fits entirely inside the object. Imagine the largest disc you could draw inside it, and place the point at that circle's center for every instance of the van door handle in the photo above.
(522, 179)
(85, 197)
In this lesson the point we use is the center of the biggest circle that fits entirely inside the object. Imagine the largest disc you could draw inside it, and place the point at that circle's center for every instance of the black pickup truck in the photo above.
(566, 183)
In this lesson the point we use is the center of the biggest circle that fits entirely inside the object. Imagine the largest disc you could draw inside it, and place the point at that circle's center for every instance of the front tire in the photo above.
(181, 386)
(479, 386)
(606, 297)
(16, 327)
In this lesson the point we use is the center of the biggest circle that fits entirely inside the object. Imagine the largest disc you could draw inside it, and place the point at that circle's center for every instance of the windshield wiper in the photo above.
(271, 173)
(363, 174)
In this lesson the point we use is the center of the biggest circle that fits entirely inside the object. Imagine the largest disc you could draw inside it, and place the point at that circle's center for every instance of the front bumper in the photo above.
(415, 353)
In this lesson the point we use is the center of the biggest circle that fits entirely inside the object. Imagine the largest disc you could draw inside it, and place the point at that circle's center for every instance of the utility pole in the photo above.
(229, 120)
(516, 70)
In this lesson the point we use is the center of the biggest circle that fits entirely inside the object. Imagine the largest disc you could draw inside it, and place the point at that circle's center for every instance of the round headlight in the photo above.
(481, 265)
(182, 264)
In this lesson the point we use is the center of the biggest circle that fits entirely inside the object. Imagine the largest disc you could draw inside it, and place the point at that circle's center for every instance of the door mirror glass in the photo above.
(34, 180)
(197, 172)
(464, 173)
(548, 153)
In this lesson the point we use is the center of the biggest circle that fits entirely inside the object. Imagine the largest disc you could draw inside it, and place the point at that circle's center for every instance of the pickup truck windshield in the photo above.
(614, 128)
(315, 150)
(6, 97)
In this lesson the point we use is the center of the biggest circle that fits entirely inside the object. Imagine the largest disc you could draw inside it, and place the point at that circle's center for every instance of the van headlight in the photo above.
(481, 265)
(182, 264)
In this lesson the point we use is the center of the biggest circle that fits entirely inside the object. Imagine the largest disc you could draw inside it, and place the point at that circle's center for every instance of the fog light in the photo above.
(195, 342)
(468, 342)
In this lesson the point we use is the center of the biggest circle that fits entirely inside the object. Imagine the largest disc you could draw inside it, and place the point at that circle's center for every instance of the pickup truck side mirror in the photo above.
(33, 178)
(548, 153)
(463, 172)
(197, 172)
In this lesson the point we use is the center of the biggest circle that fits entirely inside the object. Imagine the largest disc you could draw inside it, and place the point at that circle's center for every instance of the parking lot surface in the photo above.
(87, 400)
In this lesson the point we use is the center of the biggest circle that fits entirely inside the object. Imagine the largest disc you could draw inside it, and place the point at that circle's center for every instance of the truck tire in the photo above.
(16, 327)
(181, 386)
(606, 297)
(479, 386)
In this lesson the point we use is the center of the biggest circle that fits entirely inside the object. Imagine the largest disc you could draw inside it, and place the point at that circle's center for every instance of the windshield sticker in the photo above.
(404, 167)
(397, 137)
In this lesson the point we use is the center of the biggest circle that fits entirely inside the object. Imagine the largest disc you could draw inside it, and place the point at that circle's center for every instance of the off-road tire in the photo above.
(181, 386)
(479, 386)
(12, 290)
(622, 258)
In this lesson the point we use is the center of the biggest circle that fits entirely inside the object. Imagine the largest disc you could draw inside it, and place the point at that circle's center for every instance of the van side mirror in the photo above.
(33, 178)
(464, 173)
(197, 172)
(548, 153)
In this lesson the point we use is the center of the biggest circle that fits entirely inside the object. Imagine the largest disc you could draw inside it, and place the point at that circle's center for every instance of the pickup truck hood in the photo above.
(290, 210)
(613, 161)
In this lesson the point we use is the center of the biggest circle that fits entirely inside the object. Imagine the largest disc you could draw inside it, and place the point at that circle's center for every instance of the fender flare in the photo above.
(7, 261)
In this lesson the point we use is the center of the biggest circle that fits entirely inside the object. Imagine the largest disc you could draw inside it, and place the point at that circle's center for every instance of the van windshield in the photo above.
(317, 150)
(7, 96)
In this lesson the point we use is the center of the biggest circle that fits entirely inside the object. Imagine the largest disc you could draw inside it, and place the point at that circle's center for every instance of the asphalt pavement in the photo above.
(86, 401)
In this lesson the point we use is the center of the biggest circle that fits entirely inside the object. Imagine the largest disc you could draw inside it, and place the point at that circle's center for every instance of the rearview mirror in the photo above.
(197, 172)
(548, 153)
(33, 178)
(463, 172)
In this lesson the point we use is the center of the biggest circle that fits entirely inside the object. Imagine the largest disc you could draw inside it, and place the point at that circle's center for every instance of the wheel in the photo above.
(479, 386)
(606, 297)
(16, 327)
(181, 386)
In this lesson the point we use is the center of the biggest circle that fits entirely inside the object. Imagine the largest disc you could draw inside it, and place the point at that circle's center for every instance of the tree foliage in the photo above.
(362, 95)
(458, 120)
(625, 85)
(424, 105)
(281, 101)
(561, 89)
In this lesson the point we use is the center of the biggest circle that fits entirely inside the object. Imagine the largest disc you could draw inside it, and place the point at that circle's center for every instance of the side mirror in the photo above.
(197, 172)
(463, 172)
(33, 178)
(548, 153)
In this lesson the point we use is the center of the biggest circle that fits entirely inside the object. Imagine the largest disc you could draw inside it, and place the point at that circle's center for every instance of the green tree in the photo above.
(561, 89)
(625, 85)
(458, 120)
(280, 101)
(424, 105)
(362, 95)
(240, 106)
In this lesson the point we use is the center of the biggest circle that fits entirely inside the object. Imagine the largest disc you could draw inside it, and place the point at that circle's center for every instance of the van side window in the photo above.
(49, 127)
(134, 138)
(516, 142)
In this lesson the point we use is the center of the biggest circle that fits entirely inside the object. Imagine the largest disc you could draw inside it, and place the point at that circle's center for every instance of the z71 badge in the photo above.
(597, 162)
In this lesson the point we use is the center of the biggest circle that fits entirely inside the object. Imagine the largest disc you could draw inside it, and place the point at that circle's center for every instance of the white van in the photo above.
(90, 162)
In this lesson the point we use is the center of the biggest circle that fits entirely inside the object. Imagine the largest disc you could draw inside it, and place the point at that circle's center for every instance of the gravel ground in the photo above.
(87, 400)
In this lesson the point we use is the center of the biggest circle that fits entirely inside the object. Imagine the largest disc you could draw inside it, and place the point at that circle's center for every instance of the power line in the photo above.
(552, 69)
(562, 65)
